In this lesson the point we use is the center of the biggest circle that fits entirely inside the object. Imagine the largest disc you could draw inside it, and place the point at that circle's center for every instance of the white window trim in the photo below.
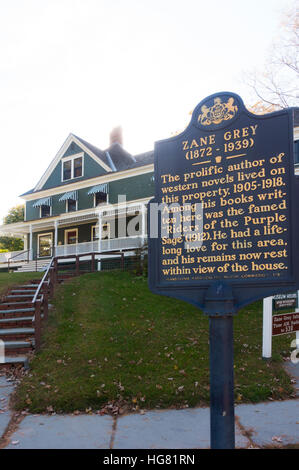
(40, 213)
(70, 230)
(67, 206)
(39, 235)
(72, 159)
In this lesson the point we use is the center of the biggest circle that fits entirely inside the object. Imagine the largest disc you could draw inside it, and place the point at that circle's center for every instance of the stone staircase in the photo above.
(16, 326)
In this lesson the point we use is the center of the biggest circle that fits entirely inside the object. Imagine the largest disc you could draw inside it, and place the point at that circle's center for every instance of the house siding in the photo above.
(135, 187)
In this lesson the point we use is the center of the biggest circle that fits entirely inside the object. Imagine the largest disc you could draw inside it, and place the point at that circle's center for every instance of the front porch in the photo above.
(110, 229)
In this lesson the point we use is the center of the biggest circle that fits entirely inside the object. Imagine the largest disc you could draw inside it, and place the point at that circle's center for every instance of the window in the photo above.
(71, 236)
(99, 198)
(72, 167)
(67, 170)
(45, 211)
(71, 205)
(45, 242)
(77, 167)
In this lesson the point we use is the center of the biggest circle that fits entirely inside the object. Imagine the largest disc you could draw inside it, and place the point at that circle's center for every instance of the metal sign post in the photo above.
(219, 306)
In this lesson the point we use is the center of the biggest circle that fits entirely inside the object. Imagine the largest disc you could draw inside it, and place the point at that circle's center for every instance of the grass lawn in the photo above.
(110, 341)
(9, 280)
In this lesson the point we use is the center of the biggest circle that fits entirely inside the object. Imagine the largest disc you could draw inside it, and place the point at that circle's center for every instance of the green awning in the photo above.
(46, 201)
(99, 188)
(70, 195)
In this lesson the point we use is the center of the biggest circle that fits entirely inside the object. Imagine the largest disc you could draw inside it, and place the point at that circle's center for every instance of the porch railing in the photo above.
(14, 256)
(109, 244)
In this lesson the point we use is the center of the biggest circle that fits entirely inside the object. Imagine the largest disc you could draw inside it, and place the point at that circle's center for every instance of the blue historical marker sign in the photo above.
(223, 226)
(230, 174)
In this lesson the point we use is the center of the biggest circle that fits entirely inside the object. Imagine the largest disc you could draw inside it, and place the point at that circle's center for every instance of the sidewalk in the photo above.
(263, 424)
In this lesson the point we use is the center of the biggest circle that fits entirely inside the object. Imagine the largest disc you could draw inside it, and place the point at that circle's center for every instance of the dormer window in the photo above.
(72, 167)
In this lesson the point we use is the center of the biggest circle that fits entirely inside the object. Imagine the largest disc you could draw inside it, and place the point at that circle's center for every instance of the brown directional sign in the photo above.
(240, 168)
(285, 323)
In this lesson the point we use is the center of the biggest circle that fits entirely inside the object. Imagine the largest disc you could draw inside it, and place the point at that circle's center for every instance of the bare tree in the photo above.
(277, 86)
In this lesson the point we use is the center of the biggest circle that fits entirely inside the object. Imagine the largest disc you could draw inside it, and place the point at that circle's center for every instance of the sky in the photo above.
(86, 66)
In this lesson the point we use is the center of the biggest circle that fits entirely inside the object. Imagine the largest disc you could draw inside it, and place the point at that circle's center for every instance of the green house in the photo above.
(88, 200)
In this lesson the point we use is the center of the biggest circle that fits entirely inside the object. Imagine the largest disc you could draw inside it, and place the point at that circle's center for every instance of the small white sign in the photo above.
(2, 352)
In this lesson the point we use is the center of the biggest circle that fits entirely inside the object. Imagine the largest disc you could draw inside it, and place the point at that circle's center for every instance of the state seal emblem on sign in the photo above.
(217, 113)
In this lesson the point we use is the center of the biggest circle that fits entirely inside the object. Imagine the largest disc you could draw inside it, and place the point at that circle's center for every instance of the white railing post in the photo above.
(100, 231)
(30, 243)
(25, 238)
(55, 237)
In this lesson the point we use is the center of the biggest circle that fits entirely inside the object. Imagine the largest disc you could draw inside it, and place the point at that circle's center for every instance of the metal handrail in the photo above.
(42, 281)
(18, 254)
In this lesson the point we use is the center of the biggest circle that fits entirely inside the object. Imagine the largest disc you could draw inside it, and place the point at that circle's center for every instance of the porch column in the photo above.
(25, 238)
(30, 243)
(55, 237)
(100, 231)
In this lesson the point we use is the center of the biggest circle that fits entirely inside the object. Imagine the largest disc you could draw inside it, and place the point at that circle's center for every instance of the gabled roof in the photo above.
(120, 158)
(99, 153)
(113, 159)
(81, 143)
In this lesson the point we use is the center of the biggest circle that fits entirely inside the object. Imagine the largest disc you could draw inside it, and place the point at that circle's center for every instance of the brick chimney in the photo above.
(116, 136)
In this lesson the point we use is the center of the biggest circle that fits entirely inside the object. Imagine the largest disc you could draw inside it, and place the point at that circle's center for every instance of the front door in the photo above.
(45, 244)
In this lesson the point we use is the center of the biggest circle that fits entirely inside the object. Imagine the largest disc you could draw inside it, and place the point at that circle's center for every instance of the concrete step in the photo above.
(16, 334)
(18, 322)
(18, 298)
(28, 287)
(32, 284)
(16, 310)
(23, 312)
(17, 347)
(15, 305)
(33, 266)
(16, 360)
(23, 291)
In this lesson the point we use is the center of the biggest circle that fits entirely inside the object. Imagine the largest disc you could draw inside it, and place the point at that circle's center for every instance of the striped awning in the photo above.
(46, 201)
(99, 188)
(70, 195)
